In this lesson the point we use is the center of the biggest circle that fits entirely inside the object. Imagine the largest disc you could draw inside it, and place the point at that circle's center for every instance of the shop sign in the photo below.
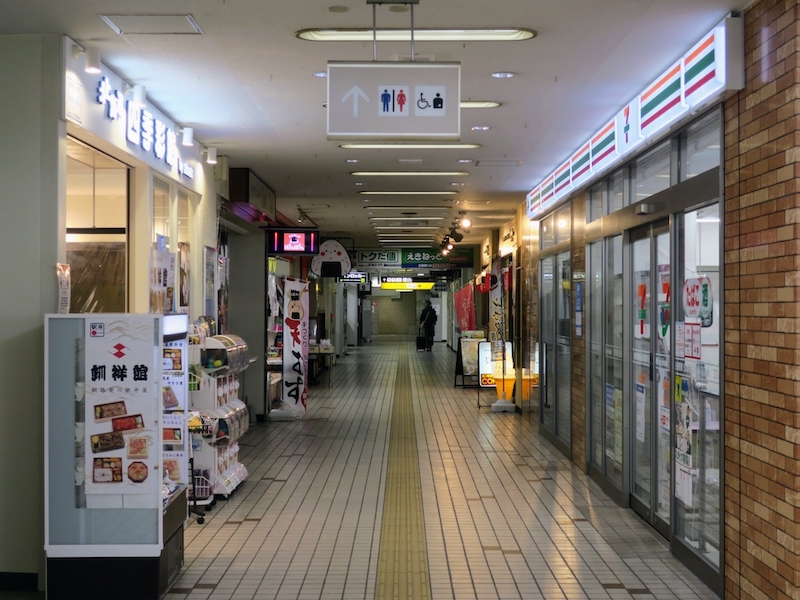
(698, 298)
(407, 283)
(100, 104)
(353, 277)
(712, 66)
(421, 258)
(377, 259)
(295, 345)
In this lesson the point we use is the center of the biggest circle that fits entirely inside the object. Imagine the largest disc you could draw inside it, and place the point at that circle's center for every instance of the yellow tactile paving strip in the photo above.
(403, 556)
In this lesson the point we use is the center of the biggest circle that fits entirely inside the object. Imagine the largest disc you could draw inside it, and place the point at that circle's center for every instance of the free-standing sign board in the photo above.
(394, 101)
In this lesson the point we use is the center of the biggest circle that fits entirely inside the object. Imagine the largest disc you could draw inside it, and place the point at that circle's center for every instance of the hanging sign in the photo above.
(295, 345)
(394, 100)
(698, 298)
(465, 308)
(121, 418)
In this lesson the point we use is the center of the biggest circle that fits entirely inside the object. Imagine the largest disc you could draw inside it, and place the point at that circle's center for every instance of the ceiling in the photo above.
(246, 86)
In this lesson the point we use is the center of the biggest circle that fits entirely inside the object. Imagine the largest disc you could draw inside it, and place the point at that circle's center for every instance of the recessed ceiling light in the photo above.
(479, 104)
(480, 128)
(465, 160)
(364, 34)
(503, 75)
(396, 193)
(408, 173)
(359, 183)
(456, 183)
(352, 160)
(320, 74)
(406, 146)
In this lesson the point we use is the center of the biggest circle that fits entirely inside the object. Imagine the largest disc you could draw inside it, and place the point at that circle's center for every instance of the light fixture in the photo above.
(464, 222)
(416, 208)
(707, 220)
(364, 34)
(352, 160)
(417, 218)
(211, 155)
(445, 251)
(382, 227)
(456, 183)
(449, 246)
(480, 128)
(408, 173)
(396, 193)
(320, 74)
(456, 236)
(139, 95)
(188, 136)
(479, 104)
(406, 146)
(503, 74)
(92, 57)
(359, 183)
(465, 160)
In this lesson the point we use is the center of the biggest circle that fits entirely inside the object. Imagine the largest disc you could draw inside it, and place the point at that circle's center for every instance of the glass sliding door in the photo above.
(650, 395)
(614, 378)
(556, 329)
(594, 284)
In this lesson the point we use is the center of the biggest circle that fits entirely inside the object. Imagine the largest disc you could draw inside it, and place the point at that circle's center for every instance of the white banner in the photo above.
(495, 304)
(295, 345)
(122, 392)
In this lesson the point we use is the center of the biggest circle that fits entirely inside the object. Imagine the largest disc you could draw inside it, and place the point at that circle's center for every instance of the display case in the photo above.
(113, 495)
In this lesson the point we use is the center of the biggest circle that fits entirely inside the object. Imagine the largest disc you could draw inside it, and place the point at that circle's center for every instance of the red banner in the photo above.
(465, 308)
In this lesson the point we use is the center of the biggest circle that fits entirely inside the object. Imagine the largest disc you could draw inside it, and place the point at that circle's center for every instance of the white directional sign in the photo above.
(394, 100)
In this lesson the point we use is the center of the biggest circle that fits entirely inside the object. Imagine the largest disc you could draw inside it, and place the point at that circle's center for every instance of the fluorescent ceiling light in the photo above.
(382, 227)
(504, 34)
(503, 75)
(406, 146)
(394, 193)
(707, 220)
(352, 160)
(465, 160)
(480, 128)
(406, 207)
(408, 173)
(479, 104)
(320, 74)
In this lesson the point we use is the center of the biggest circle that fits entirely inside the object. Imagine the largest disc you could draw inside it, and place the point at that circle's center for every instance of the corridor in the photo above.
(395, 485)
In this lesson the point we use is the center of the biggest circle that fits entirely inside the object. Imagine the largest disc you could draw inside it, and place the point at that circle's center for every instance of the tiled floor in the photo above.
(505, 515)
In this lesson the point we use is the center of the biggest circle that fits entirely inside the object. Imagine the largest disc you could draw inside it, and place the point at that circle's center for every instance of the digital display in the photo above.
(293, 241)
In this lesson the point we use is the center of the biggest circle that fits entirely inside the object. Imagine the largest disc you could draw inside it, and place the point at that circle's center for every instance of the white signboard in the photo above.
(397, 100)
(295, 345)
(122, 388)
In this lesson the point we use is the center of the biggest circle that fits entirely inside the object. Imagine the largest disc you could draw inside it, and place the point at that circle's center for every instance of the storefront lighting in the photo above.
(406, 146)
(92, 57)
(139, 95)
(188, 136)
(408, 173)
(211, 155)
(504, 34)
(394, 193)
(479, 104)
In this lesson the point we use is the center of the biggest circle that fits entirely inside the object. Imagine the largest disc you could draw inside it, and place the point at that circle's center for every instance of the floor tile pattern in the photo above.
(505, 514)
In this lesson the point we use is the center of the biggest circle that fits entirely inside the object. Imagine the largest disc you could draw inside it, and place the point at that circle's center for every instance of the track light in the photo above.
(139, 95)
(464, 222)
(188, 136)
(456, 236)
(92, 57)
(211, 155)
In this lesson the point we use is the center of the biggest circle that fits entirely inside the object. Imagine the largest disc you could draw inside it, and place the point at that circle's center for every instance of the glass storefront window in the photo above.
(697, 458)
(161, 222)
(597, 201)
(97, 224)
(594, 286)
(547, 233)
(612, 392)
(700, 147)
(183, 217)
(562, 222)
(650, 173)
(616, 185)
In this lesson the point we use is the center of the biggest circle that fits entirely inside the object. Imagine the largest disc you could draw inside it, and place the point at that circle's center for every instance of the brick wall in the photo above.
(762, 283)
(397, 316)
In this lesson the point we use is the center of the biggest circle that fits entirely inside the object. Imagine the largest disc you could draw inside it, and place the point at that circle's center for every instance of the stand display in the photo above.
(115, 463)
(217, 418)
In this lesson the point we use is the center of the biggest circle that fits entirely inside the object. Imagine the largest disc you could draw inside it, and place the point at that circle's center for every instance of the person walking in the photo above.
(427, 320)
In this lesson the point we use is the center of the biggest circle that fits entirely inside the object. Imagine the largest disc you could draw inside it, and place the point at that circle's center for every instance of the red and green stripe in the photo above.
(663, 95)
(547, 190)
(562, 177)
(700, 65)
(604, 143)
(581, 162)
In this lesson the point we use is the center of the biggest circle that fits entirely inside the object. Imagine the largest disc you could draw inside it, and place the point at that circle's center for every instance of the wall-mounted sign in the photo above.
(407, 283)
(421, 258)
(353, 277)
(298, 241)
(396, 100)
(378, 259)
(100, 104)
(714, 65)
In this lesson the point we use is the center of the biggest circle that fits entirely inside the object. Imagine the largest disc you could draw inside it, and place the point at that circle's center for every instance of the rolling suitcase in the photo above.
(420, 340)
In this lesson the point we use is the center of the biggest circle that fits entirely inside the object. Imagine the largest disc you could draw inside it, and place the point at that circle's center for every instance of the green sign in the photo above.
(419, 258)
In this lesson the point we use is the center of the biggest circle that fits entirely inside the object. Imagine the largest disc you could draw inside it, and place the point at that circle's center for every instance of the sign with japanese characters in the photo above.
(422, 258)
(377, 258)
(122, 417)
(295, 345)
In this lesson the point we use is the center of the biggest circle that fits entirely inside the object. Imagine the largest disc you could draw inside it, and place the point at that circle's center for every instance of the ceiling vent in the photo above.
(498, 163)
(153, 24)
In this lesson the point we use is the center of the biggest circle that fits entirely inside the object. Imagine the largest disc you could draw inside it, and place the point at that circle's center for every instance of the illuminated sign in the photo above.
(407, 283)
(353, 277)
(714, 65)
(293, 241)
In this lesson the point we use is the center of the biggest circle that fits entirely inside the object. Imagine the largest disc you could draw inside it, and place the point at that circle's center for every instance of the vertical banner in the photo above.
(495, 304)
(209, 280)
(295, 344)
(183, 286)
(465, 308)
(122, 391)
(162, 281)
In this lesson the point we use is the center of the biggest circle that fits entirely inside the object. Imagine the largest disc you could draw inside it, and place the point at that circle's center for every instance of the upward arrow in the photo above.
(355, 92)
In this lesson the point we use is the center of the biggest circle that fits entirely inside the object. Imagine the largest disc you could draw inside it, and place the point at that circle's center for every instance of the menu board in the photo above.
(121, 411)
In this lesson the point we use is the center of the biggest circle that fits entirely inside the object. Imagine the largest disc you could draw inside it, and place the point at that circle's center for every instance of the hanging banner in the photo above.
(295, 345)
(183, 252)
(495, 304)
(162, 281)
(464, 300)
(121, 416)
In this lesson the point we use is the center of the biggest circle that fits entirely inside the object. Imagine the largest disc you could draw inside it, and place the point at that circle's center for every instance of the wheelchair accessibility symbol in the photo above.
(430, 100)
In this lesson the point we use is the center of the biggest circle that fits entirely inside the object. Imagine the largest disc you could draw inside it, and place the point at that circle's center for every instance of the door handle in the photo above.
(544, 365)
